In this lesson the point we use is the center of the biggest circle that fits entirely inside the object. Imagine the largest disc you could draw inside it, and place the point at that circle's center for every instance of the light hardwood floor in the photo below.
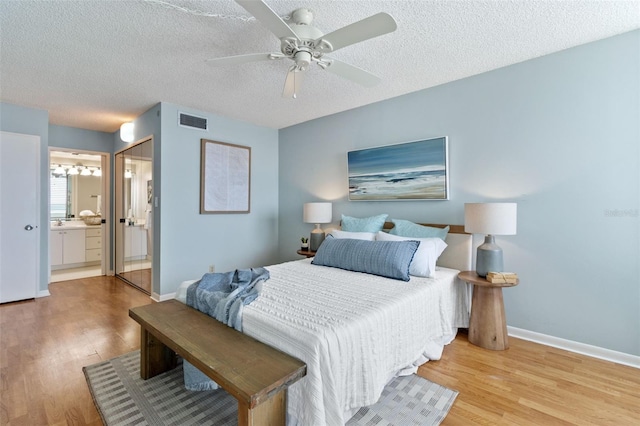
(532, 384)
(44, 344)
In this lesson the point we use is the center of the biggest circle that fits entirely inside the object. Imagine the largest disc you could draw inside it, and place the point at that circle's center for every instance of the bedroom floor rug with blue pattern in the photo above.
(123, 398)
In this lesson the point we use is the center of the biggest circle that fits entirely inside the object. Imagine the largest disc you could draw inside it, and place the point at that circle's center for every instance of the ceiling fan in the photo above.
(304, 44)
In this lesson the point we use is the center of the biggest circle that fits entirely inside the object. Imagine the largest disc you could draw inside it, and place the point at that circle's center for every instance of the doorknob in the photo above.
(28, 227)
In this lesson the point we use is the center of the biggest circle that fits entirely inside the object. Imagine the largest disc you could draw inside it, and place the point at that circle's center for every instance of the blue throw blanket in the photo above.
(222, 296)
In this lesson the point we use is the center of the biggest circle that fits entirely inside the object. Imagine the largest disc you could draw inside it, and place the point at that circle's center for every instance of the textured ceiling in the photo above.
(95, 64)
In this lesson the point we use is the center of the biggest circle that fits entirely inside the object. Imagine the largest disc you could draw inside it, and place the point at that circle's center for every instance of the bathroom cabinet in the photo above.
(67, 246)
(93, 245)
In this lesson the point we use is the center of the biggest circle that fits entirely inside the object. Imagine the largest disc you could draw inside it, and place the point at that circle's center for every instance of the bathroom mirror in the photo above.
(74, 193)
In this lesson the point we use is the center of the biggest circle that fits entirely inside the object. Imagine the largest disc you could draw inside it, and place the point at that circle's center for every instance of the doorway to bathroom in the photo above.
(133, 223)
(78, 213)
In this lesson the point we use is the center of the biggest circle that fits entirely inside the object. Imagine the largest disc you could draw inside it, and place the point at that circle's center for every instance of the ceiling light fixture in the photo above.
(73, 171)
(127, 174)
(85, 171)
(97, 172)
(127, 132)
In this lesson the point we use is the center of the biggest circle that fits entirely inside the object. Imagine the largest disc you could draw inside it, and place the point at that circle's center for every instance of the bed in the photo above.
(356, 331)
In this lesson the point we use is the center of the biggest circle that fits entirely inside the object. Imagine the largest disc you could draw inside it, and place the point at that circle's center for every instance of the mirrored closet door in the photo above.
(133, 215)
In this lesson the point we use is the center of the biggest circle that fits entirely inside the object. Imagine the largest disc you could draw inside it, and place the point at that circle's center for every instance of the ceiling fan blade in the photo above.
(243, 59)
(355, 74)
(268, 18)
(373, 26)
(292, 83)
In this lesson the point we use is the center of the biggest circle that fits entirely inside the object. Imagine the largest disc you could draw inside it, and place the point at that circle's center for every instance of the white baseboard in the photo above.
(577, 347)
(162, 298)
(43, 293)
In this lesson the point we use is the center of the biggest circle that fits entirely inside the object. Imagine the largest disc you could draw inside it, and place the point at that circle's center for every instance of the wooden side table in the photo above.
(487, 325)
(307, 253)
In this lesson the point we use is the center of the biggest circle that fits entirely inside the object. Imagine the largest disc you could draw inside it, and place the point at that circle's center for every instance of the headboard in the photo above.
(459, 251)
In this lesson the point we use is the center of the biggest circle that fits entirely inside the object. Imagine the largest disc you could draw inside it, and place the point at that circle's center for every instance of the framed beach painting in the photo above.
(225, 177)
(417, 170)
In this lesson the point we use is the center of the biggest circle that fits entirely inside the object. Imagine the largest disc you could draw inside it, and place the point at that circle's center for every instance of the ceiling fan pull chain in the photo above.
(295, 96)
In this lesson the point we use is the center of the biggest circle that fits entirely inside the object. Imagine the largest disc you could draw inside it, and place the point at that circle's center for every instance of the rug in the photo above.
(123, 398)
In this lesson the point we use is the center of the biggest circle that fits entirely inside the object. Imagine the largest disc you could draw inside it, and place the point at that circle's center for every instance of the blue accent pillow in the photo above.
(365, 224)
(390, 259)
(405, 228)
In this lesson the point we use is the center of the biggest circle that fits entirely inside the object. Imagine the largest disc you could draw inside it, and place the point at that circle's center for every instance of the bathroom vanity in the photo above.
(74, 244)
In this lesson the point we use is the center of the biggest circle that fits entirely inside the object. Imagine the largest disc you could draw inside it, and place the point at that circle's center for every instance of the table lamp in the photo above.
(316, 213)
(490, 219)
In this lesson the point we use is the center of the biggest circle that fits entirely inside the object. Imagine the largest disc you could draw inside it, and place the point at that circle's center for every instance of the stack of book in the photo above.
(502, 278)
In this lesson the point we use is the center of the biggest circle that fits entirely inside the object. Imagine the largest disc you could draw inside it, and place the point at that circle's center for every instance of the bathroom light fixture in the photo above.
(59, 171)
(316, 213)
(73, 171)
(85, 171)
(127, 174)
(126, 132)
(490, 219)
(97, 172)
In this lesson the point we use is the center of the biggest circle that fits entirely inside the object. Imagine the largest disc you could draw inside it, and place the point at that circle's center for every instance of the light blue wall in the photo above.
(192, 241)
(82, 139)
(559, 135)
(30, 121)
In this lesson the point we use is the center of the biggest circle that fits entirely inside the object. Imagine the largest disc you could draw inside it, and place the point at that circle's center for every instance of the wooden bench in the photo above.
(254, 373)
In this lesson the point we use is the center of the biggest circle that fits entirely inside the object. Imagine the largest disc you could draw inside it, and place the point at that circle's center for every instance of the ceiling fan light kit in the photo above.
(304, 44)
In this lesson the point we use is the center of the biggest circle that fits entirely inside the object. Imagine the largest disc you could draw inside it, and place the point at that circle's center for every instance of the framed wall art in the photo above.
(225, 177)
(417, 170)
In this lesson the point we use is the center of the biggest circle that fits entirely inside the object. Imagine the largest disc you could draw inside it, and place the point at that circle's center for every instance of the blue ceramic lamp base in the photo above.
(316, 238)
(489, 257)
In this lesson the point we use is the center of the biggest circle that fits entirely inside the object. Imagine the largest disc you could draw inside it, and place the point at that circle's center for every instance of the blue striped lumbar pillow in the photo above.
(389, 259)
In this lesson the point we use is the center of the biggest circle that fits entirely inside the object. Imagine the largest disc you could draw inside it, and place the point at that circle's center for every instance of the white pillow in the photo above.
(424, 261)
(369, 236)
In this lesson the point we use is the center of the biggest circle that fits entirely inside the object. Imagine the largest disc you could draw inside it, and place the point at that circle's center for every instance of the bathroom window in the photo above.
(59, 204)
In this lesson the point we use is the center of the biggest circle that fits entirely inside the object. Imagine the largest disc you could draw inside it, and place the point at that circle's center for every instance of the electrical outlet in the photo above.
(212, 268)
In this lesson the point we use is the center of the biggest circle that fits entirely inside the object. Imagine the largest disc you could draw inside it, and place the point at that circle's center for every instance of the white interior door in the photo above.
(19, 216)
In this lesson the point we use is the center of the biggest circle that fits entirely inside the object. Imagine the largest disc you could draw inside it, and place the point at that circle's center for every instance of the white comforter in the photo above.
(354, 331)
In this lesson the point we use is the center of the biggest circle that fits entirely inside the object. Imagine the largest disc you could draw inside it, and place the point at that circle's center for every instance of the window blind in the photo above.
(58, 197)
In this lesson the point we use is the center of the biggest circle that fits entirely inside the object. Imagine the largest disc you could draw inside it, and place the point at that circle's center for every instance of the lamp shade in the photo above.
(316, 213)
(490, 218)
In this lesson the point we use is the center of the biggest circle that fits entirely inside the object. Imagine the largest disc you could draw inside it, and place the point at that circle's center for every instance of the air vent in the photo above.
(192, 121)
